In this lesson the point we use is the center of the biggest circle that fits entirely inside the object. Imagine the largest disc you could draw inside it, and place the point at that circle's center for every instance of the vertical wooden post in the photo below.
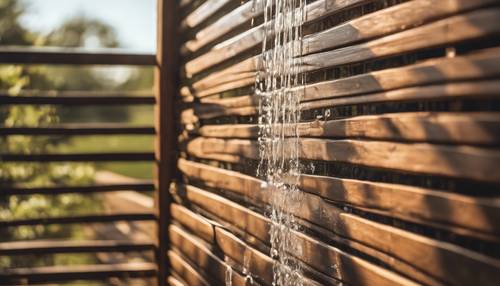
(166, 83)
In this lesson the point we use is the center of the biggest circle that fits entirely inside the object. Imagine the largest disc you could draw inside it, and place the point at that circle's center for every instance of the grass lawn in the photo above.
(140, 115)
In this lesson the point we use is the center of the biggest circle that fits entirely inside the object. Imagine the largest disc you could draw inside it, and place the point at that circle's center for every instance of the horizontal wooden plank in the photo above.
(467, 162)
(72, 246)
(478, 90)
(370, 273)
(202, 256)
(98, 188)
(466, 27)
(203, 12)
(404, 42)
(440, 127)
(72, 56)
(74, 100)
(223, 25)
(80, 129)
(259, 226)
(172, 281)
(78, 157)
(203, 228)
(442, 260)
(391, 20)
(387, 21)
(98, 218)
(188, 273)
(77, 272)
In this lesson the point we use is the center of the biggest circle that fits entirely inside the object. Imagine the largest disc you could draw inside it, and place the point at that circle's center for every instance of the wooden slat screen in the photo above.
(400, 127)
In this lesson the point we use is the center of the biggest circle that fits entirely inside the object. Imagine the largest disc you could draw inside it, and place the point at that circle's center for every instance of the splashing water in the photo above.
(278, 85)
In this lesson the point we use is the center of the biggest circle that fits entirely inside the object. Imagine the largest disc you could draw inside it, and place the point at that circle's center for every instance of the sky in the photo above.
(133, 20)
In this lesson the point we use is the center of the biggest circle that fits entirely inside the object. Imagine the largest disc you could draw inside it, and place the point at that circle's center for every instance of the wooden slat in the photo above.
(478, 90)
(438, 127)
(77, 157)
(100, 218)
(473, 163)
(72, 56)
(166, 90)
(172, 281)
(67, 246)
(384, 22)
(203, 12)
(80, 129)
(371, 275)
(442, 260)
(259, 226)
(466, 27)
(186, 271)
(76, 272)
(74, 100)
(469, 26)
(203, 257)
(98, 188)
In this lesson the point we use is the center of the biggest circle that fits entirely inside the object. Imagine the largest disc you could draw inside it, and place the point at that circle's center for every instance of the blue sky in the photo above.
(134, 20)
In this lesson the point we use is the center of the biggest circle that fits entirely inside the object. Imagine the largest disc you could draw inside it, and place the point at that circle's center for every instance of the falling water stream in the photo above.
(278, 88)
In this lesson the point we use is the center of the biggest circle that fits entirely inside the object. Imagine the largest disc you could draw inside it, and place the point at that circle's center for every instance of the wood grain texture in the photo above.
(440, 259)
(440, 127)
(473, 163)
(466, 27)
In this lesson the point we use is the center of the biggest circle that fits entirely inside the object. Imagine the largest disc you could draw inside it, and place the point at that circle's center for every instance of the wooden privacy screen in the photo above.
(400, 138)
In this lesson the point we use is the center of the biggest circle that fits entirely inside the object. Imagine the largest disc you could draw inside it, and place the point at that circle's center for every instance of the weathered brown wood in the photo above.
(77, 157)
(466, 27)
(384, 22)
(204, 228)
(223, 25)
(473, 163)
(442, 127)
(411, 203)
(100, 218)
(202, 256)
(79, 129)
(185, 270)
(66, 246)
(440, 259)
(369, 273)
(172, 281)
(387, 21)
(478, 90)
(56, 190)
(166, 90)
(203, 12)
(258, 225)
(72, 56)
(76, 272)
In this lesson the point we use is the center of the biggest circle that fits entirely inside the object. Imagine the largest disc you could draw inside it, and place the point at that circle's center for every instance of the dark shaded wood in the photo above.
(467, 27)
(384, 22)
(203, 12)
(74, 100)
(76, 157)
(441, 127)
(72, 56)
(475, 163)
(66, 246)
(99, 218)
(202, 256)
(258, 226)
(441, 260)
(166, 91)
(79, 129)
(76, 272)
(98, 188)
(187, 272)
